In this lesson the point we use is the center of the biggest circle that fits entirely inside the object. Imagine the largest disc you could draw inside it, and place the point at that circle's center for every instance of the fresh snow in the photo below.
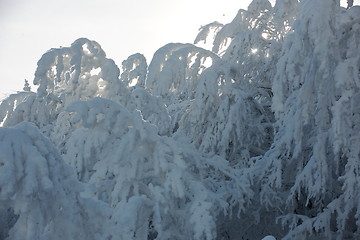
(257, 138)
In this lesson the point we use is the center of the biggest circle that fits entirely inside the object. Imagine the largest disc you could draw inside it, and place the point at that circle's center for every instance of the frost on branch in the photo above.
(256, 17)
(65, 75)
(41, 190)
(285, 13)
(28, 107)
(78, 72)
(230, 114)
(152, 182)
(206, 31)
(134, 70)
(152, 109)
(253, 51)
(175, 69)
(242, 80)
(9, 115)
(267, 129)
(225, 120)
(312, 162)
(174, 75)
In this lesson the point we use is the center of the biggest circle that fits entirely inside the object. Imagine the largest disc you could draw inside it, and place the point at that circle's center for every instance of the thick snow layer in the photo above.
(259, 137)
(40, 189)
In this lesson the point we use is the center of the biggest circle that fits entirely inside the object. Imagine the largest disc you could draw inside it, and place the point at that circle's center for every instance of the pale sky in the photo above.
(122, 27)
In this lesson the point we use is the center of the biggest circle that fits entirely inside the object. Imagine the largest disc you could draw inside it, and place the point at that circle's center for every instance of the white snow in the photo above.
(258, 137)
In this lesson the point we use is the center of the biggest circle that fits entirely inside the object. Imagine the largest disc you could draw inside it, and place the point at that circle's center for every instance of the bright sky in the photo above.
(121, 27)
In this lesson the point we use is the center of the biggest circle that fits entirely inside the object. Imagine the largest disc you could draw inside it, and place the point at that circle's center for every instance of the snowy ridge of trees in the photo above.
(259, 136)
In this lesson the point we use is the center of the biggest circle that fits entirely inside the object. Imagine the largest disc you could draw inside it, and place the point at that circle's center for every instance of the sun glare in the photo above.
(254, 50)
(95, 71)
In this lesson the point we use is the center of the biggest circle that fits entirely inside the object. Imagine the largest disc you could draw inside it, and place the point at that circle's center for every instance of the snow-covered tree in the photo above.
(157, 185)
(231, 114)
(9, 113)
(40, 193)
(226, 120)
(134, 70)
(208, 32)
(152, 109)
(78, 72)
(65, 75)
(285, 13)
(306, 165)
(265, 127)
(175, 69)
(27, 86)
